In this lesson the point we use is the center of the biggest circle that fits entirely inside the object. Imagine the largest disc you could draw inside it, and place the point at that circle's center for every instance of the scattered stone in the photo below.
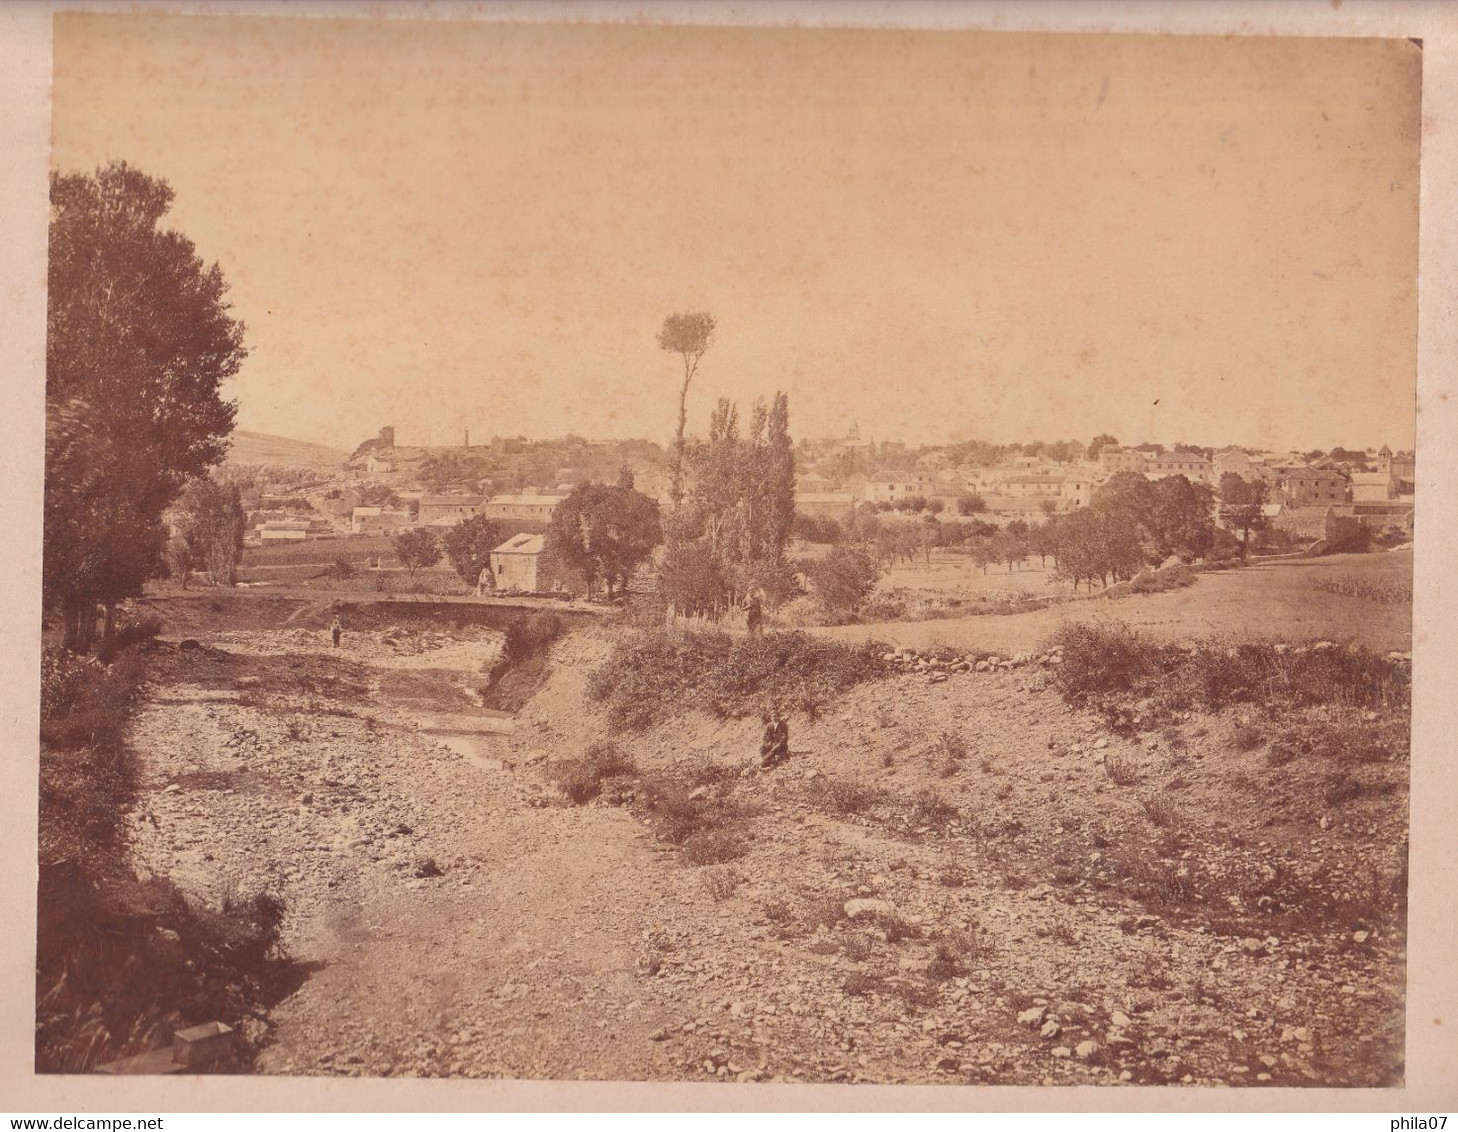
(862, 908)
(1086, 1049)
(1032, 1017)
(1062, 1051)
(1050, 1029)
(1120, 1020)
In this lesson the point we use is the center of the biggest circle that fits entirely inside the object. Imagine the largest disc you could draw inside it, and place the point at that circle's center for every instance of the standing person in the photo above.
(335, 630)
(754, 616)
(485, 580)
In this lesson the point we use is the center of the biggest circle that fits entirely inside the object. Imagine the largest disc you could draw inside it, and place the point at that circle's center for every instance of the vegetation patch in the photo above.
(1107, 665)
(1383, 591)
(582, 780)
(664, 672)
(123, 963)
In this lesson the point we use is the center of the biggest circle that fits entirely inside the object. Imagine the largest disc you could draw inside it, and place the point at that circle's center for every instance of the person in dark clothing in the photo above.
(774, 746)
(335, 630)
(754, 616)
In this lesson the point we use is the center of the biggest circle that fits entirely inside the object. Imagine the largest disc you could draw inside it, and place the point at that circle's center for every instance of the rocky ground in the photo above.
(956, 878)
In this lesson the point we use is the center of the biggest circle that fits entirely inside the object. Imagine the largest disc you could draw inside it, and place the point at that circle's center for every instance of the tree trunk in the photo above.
(108, 630)
(70, 625)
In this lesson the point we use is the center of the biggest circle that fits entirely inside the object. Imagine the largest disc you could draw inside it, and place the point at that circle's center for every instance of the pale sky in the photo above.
(938, 235)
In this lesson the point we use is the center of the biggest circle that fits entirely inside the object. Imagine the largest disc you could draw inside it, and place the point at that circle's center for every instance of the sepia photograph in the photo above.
(583, 551)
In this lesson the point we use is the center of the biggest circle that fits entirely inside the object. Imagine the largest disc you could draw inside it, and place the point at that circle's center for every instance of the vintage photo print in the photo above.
(621, 551)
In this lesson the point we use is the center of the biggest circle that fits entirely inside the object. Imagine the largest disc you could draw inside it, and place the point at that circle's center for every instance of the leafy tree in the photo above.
(743, 500)
(984, 552)
(603, 532)
(210, 524)
(1242, 506)
(691, 577)
(1184, 520)
(377, 495)
(843, 579)
(139, 341)
(416, 547)
(1099, 443)
(469, 544)
(688, 335)
(1010, 547)
(971, 504)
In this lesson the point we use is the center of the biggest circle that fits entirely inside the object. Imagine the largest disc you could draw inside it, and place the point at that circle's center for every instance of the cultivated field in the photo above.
(1274, 600)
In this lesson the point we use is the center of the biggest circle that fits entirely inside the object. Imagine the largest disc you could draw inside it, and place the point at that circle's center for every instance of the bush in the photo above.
(845, 796)
(843, 579)
(1384, 591)
(1105, 664)
(84, 703)
(664, 672)
(582, 779)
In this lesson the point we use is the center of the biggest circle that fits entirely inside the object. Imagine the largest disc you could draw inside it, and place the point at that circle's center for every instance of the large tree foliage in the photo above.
(602, 533)
(209, 524)
(1242, 506)
(416, 547)
(742, 505)
(688, 335)
(469, 544)
(139, 342)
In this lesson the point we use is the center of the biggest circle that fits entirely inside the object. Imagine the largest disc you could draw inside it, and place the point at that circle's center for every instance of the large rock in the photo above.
(1032, 1017)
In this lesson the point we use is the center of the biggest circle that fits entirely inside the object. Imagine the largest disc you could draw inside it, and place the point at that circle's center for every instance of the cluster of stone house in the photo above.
(1026, 485)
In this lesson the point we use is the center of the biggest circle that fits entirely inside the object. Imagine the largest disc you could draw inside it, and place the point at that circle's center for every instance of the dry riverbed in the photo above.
(895, 916)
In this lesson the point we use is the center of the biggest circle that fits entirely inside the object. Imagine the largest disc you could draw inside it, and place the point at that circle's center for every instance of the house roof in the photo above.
(522, 544)
(451, 500)
(519, 500)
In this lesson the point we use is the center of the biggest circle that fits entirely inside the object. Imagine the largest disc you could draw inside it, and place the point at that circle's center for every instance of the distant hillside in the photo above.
(279, 451)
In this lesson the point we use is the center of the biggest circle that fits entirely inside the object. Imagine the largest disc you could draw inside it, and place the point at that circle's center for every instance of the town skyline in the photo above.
(483, 225)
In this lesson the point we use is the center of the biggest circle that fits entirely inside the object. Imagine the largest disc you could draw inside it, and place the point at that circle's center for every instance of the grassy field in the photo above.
(1270, 600)
(952, 572)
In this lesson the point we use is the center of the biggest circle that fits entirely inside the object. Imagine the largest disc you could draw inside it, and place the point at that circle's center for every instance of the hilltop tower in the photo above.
(387, 436)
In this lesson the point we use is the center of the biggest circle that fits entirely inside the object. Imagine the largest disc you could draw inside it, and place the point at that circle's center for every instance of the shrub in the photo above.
(663, 672)
(713, 846)
(1102, 663)
(1384, 591)
(132, 629)
(1340, 788)
(84, 703)
(343, 568)
(709, 829)
(845, 796)
(1120, 769)
(928, 808)
(843, 579)
(721, 882)
(582, 779)
(1162, 811)
(1248, 737)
